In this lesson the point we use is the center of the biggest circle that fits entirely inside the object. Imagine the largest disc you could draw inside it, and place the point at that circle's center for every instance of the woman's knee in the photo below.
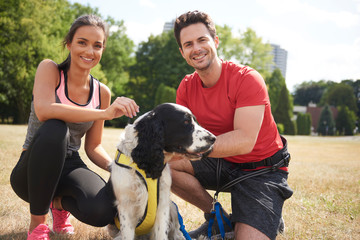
(101, 215)
(57, 128)
(53, 132)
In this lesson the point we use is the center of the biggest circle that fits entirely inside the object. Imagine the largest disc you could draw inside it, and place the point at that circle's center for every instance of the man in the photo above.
(232, 102)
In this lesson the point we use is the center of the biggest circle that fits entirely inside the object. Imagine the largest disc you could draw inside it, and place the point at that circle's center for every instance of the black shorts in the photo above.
(256, 201)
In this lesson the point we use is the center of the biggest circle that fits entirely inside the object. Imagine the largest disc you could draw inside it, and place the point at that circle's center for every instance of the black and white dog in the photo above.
(149, 142)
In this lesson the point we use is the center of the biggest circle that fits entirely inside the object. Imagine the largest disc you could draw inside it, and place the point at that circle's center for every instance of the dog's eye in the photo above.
(187, 122)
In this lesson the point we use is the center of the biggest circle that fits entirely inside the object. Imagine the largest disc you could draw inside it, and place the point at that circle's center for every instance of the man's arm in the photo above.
(247, 124)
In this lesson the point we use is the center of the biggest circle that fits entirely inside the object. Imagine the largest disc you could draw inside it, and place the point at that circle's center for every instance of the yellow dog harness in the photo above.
(152, 185)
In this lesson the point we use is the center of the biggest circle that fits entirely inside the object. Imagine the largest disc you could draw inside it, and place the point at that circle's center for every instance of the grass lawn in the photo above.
(324, 174)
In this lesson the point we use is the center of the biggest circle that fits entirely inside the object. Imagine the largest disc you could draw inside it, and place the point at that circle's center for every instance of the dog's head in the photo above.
(172, 128)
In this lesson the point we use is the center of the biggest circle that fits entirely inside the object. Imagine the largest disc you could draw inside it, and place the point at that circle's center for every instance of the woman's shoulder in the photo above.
(104, 89)
(48, 66)
(48, 63)
(105, 92)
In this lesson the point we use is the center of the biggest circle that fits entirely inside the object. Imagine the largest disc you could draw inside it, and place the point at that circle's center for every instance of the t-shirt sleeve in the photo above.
(250, 90)
(181, 93)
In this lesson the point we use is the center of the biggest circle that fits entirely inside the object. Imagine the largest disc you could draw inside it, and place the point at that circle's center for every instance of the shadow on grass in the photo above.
(14, 236)
(23, 235)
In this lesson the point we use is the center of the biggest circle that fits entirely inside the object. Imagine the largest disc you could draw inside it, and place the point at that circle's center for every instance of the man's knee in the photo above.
(181, 166)
(244, 231)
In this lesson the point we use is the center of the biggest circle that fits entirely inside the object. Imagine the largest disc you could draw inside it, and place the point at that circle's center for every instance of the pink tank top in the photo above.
(62, 93)
(77, 130)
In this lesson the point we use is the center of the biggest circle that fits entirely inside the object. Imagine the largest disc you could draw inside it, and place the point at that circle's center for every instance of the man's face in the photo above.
(198, 47)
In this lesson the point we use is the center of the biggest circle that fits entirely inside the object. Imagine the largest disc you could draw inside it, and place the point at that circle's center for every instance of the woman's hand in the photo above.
(122, 106)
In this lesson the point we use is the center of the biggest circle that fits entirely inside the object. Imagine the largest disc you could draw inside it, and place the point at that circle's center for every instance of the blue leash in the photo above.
(219, 213)
(182, 226)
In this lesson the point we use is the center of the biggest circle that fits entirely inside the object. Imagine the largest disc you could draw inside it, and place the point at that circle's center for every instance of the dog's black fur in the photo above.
(150, 142)
(164, 128)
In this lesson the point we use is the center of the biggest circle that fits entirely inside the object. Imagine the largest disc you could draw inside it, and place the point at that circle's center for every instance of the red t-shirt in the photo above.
(238, 86)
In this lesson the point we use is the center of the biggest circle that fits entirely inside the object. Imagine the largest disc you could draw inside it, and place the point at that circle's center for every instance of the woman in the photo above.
(69, 103)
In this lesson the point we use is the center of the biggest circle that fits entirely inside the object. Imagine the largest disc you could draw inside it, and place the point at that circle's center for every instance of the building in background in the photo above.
(280, 59)
(169, 26)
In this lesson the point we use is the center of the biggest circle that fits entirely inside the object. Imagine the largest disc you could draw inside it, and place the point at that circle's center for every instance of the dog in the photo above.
(150, 142)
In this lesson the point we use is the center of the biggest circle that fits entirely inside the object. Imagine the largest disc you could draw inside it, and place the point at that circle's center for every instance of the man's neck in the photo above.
(210, 76)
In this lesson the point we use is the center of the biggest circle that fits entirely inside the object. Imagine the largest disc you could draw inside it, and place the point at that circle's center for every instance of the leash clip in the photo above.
(214, 202)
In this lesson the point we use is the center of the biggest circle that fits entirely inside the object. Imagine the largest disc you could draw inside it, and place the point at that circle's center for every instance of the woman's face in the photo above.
(87, 47)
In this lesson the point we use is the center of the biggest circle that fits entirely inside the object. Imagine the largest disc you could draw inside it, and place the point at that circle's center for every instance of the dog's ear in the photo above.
(148, 154)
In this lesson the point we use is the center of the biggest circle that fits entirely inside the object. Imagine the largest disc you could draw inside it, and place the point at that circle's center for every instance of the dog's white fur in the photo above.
(131, 194)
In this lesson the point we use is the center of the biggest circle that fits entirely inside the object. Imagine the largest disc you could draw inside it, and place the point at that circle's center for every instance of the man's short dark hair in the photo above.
(193, 17)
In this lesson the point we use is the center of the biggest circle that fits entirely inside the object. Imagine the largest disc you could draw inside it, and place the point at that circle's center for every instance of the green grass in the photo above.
(324, 174)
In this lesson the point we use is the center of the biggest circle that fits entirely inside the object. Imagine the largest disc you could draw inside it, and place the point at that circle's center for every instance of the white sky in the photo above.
(322, 37)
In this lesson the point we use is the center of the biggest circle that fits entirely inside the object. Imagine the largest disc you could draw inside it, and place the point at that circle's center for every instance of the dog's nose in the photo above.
(211, 139)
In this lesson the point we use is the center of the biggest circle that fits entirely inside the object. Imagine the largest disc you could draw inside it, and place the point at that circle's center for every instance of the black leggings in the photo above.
(44, 170)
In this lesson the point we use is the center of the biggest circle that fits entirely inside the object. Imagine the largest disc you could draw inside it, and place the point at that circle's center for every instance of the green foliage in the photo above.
(356, 87)
(31, 31)
(275, 83)
(248, 49)
(157, 61)
(311, 91)
(345, 121)
(346, 93)
(303, 123)
(280, 128)
(27, 29)
(165, 94)
(228, 43)
(283, 111)
(115, 63)
(326, 125)
(256, 54)
(340, 94)
(117, 57)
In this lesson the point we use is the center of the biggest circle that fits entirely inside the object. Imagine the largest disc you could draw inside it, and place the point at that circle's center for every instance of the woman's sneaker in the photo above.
(41, 232)
(61, 222)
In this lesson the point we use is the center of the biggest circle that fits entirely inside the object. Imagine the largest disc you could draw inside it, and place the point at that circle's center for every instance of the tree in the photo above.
(157, 61)
(27, 31)
(256, 54)
(116, 62)
(345, 121)
(311, 91)
(283, 112)
(326, 125)
(226, 49)
(356, 87)
(275, 84)
(117, 57)
(340, 94)
(248, 49)
(165, 94)
(303, 123)
(30, 32)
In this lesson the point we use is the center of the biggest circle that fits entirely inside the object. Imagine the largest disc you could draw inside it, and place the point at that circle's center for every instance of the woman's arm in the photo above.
(46, 80)
(93, 148)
